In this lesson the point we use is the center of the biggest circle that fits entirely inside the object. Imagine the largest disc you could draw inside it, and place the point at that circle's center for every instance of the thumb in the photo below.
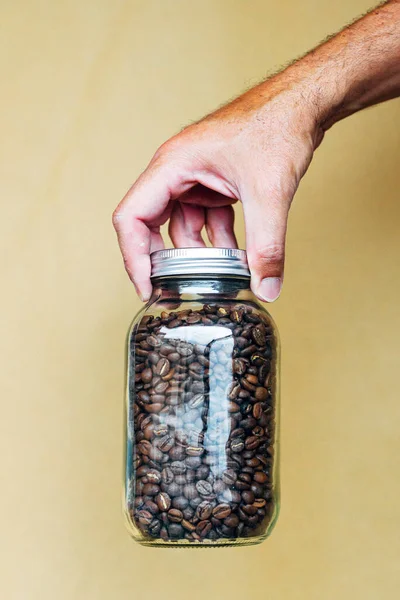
(265, 225)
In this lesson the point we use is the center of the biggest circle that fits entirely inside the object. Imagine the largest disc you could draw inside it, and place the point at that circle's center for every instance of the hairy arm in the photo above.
(255, 150)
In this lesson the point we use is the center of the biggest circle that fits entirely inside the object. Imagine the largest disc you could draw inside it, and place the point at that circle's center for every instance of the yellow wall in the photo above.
(89, 90)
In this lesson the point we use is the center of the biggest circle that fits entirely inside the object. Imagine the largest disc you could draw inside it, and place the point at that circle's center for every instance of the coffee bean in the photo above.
(177, 453)
(260, 477)
(175, 515)
(154, 528)
(190, 491)
(175, 531)
(178, 467)
(259, 335)
(188, 512)
(229, 477)
(190, 475)
(180, 502)
(188, 525)
(161, 387)
(167, 475)
(163, 501)
(153, 476)
(232, 520)
(144, 447)
(174, 489)
(221, 511)
(248, 496)
(261, 394)
(251, 442)
(204, 487)
(152, 507)
(196, 401)
(203, 528)
(237, 445)
(166, 443)
(260, 502)
(162, 367)
(204, 510)
(193, 462)
(194, 451)
(144, 516)
(239, 366)
(250, 509)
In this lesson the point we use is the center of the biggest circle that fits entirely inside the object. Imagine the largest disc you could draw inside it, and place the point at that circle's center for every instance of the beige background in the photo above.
(89, 90)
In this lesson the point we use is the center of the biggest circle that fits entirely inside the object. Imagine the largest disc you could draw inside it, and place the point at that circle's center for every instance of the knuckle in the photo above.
(169, 148)
(267, 255)
(117, 217)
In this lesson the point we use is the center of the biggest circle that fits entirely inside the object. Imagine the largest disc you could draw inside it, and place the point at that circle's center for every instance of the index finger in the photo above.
(140, 212)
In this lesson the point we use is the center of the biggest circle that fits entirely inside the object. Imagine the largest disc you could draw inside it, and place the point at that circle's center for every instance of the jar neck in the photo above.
(195, 287)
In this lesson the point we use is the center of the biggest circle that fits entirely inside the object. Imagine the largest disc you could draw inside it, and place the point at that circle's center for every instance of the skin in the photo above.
(255, 150)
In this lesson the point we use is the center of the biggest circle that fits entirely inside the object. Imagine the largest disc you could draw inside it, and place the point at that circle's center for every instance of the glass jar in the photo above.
(202, 406)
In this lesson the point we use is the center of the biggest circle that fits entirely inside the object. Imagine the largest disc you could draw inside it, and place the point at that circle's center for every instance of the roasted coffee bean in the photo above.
(180, 502)
(259, 335)
(196, 401)
(175, 531)
(178, 467)
(150, 489)
(167, 475)
(237, 445)
(221, 511)
(193, 462)
(151, 506)
(229, 477)
(250, 509)
(144, 447)
(174, 489)
(154, 408)
(163, 501)
(177, 453)
(204, 487)
(144, 517)
(153, 476)
(248, 496)
(260, 477)
(251, 442)
(233, 407)
(190, 475)
(162, 367)
(204, 510)
(194, 450)
(144, 397)
(261, 394)
(161, 387)
(190, 491)
(257, 489)
(239, 366)
(175, 515)
(260, 502)
(203, 528)
(166, 443)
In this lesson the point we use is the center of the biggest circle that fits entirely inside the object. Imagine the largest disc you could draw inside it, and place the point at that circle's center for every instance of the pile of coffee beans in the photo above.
(201, 416)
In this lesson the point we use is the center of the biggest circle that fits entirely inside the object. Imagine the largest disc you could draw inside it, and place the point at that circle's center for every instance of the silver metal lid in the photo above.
(199, 261)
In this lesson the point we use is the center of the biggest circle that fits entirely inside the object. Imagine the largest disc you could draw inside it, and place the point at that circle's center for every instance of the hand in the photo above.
(255, 149)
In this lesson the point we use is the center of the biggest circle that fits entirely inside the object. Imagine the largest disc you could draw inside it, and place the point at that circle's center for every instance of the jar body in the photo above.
(202, 417)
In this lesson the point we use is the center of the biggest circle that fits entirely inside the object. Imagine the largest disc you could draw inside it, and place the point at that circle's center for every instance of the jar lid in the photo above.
(199, 261)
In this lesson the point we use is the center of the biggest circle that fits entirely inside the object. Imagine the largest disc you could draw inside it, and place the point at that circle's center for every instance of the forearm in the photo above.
(358, 67)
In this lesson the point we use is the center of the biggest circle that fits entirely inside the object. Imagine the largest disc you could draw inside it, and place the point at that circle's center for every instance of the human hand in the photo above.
(254, 150)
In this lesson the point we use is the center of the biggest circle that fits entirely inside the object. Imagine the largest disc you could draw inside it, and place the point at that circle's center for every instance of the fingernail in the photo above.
(270, 288)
